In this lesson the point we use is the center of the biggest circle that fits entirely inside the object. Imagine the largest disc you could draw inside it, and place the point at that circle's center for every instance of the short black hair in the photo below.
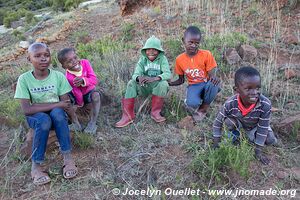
(194, 30)
(36, 45)
(61, 55)
(243, 73)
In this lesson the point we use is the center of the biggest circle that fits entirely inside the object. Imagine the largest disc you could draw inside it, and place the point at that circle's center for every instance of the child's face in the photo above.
(152, 54)
(71, 62)
(191, 43)
(40, 58)
(249, 90)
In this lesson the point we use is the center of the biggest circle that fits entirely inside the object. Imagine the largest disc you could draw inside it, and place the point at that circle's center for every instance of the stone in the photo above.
(290, 39)
(289, 73)
(3, 29)
(24, 44)
(282, 174)
(296, 173)
(186, 123)
(247, 52)
(88, 3)
(287, 125)
(232, 57)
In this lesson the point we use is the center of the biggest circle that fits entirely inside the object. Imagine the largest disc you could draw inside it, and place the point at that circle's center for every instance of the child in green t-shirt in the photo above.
(43, 95)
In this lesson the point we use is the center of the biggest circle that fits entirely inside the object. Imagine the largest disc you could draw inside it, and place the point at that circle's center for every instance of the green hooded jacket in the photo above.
(159, 67)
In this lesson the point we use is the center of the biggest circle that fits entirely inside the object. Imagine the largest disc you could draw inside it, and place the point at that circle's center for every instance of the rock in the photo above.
(290, 39)
(24, 44)
(232, 57)
(296, 173)
(291, 105)
(289, 73)
(287, 125)
(282, 174)
(186, 123)
(52, 143)
(3, 29)
(248, 53)
(88, 3)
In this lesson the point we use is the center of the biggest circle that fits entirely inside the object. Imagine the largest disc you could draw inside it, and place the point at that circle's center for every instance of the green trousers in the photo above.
(157, 88)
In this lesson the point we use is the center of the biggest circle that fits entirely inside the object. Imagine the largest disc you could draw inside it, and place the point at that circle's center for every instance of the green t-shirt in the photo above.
(42, 91)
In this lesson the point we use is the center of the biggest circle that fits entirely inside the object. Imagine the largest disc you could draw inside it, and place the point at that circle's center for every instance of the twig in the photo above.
(131, 158)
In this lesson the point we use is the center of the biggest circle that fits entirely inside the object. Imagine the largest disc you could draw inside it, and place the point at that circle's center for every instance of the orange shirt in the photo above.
(195, 68)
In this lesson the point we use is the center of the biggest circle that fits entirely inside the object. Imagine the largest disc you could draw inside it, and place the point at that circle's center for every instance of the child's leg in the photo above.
(159, 91)
(78, 96)
(60, 124)
(209, 94)
(72, 114)
(194, 100)
(193, 97)
(41, 123)
(94, 99)
(271, 139)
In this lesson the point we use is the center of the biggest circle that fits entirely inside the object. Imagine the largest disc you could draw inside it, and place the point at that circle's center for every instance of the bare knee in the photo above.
(96, 97)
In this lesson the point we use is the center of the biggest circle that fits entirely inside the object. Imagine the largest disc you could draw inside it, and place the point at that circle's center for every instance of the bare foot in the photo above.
(91, 128)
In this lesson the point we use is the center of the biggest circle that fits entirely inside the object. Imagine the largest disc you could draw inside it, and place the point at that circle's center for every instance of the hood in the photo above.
(152, 43)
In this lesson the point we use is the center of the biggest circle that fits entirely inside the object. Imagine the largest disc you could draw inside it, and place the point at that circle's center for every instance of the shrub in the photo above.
(83, 140)
(210, 163)
(174, 48)
(65, 5)
(175, 110)
(10, 111)
(127, 31)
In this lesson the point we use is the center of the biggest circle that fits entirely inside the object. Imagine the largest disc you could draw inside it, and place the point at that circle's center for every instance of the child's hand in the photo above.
(153, 79)
(216, 142)
(78, 81)
(65, 104)
(259, 155)
(146, 79)
(215, 80)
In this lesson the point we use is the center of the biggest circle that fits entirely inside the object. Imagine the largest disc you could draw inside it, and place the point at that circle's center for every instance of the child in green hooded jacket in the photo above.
(150, 77)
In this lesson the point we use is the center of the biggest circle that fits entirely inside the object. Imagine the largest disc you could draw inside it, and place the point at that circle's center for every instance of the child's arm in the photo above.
(262, 132)
(138, 72)
(179, 81)
(30, 109)
(218, 125)
(212, 74)
(89, 79)
(165, 68)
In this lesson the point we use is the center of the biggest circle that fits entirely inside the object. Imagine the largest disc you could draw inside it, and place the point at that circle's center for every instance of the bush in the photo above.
(12, 16)
(10, 111)
(83, 140)
(174, 48)
(65, 5)
(211, 163)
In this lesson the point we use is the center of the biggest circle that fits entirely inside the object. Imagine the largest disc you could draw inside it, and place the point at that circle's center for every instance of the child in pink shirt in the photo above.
(83, 80)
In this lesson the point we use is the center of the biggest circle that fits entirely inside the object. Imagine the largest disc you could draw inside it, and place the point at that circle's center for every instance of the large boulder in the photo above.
(289, 125)
(247, 52)
(232, 57)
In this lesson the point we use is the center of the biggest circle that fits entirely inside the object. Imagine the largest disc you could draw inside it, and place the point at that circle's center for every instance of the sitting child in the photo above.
(248, 109)
(83, 80)
(43, 94)
(200, 68)
(150, 77)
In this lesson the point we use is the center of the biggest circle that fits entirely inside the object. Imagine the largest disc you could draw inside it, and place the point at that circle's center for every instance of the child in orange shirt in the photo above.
(199, 66)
